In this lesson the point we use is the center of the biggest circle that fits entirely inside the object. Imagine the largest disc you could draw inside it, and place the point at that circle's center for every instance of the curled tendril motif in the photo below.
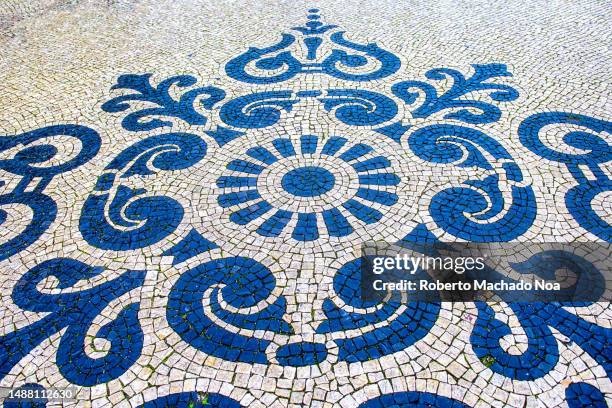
(37, 157)
(232, 288)
(537, 319)
(119, 217)
(454, 98)
(257, 110)
(593, 152)
(167, 106)
(359, 107)
(75, 311)
(388, 326)
(465, 211)
(30, 161)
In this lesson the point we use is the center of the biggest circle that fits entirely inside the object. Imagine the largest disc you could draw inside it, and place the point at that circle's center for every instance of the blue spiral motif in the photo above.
(29, 161)
(389, 63)
(75, 311)
(119, 217)
(542, 352)
(597, 149)
(309, 181)
(257, 110)
(357, 107)
(465, 147)
(242, 283)
(413, 322)
(32, 163)
(449, 207)
(236, 68)
(597, 152)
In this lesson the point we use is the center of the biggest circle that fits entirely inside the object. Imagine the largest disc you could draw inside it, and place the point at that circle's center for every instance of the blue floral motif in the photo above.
(242, 283)
(182, 109)
(278, 57)
(597, 151)
(75, 312)
(454, 97)
(119, 217)
(241, 187)
(32, 163)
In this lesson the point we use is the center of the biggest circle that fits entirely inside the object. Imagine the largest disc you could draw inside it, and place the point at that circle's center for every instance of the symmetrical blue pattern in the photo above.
(313, 187)
(277, 56)
(355, 107)
(308, 181)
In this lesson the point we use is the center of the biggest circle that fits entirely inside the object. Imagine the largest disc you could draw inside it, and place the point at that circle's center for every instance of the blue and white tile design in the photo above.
(185, 185)
(314, 185)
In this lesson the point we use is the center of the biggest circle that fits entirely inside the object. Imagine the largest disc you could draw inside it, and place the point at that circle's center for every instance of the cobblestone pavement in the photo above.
(185, 185)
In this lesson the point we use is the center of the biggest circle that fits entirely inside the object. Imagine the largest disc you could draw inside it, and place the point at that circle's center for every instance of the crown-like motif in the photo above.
(277, 63)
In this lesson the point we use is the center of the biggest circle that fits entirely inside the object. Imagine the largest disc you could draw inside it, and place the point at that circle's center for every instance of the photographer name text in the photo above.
(426, 285)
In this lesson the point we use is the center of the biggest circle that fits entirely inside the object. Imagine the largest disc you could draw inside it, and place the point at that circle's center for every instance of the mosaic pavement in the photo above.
(184, 187)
